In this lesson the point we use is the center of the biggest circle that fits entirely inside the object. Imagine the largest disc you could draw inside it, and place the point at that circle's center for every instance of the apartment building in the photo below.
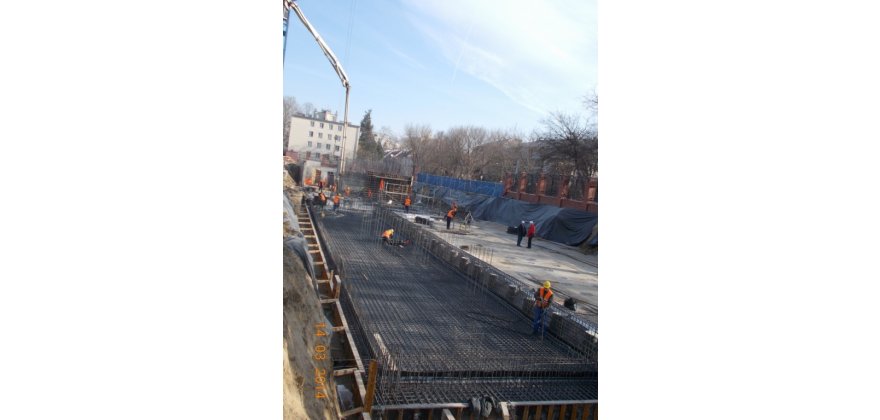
(319, 138)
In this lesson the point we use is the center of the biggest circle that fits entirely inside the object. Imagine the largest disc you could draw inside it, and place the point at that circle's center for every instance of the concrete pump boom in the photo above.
(291, 5)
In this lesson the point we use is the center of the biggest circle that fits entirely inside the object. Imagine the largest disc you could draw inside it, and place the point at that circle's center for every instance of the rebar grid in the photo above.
(438, 336)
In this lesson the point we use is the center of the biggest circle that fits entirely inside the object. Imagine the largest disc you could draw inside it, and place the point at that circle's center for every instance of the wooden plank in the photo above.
(371, 386)
(586, 412)
(574, 411)
(526, 413)
(339, 328)
(357, 357)
(505, 415)
(550, 412)
(352, 412)
(538, 409)
(343, 372)
(458, 413)
(562, 412)
(430, 414)
(448, 415)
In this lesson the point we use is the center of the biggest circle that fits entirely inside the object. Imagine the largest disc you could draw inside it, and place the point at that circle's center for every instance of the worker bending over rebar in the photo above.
(543, 297)
(388, 238)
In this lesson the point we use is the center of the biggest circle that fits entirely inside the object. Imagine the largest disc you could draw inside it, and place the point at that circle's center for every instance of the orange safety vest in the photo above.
(544, 300)
(388, 233)
(451, 213)
(336, 199)
(407, 202)
(322, 197)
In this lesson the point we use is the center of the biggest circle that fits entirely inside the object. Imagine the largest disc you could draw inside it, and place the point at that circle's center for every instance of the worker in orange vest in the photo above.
(336, 202)
(406, 202)
(543, 298)
(450, 215)
(387, 236)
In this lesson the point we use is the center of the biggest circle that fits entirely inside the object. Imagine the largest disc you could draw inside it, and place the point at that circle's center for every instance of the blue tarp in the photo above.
(492, 189)
(563, 225)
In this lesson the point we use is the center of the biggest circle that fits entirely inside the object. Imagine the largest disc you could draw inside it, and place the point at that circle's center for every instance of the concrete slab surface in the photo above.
(571, 272)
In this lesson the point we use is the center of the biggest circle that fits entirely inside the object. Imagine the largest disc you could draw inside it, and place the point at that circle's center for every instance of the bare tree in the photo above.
(568, 145)
(418, 139)
(308, 110)
(499, 155)
(291, 108)
(591, 103)
(387, 138)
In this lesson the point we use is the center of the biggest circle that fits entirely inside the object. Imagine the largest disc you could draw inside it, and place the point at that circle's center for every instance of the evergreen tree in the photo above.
(367, 140)
(380, 151)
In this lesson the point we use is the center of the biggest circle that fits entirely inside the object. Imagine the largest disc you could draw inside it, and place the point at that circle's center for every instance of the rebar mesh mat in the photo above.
(437, 336)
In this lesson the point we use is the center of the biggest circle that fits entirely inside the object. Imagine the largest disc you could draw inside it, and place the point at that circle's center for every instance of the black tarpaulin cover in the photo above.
(563, 225)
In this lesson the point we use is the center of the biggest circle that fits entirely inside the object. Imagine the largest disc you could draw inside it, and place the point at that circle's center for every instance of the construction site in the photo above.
(433, 326)
(409, 296)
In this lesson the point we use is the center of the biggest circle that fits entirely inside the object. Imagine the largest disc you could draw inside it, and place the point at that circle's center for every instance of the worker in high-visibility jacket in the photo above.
(387, 236)
(336, 203)
(543, 298)
(451, 215)
(406, 203)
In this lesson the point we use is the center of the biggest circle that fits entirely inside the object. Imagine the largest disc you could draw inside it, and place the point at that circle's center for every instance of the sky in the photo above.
(494, 64)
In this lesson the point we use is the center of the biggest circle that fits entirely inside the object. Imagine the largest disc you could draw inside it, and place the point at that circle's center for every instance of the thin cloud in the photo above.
(541, 56)
(412, 62)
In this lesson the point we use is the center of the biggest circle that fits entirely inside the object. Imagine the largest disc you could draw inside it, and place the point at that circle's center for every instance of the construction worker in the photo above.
(520, 232)
(531, 232)
(388, 236)
(322, 200)
(335, 202)
(451, 215)
(543, 298)
(406, 203)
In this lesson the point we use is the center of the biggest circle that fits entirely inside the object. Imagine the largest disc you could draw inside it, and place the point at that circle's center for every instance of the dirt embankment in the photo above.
(303, 374)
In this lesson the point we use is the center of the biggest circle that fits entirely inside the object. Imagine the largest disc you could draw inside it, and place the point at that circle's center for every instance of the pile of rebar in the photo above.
(436, 335)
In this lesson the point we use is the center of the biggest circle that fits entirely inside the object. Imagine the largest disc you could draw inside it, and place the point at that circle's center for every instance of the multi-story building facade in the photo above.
(319, 138)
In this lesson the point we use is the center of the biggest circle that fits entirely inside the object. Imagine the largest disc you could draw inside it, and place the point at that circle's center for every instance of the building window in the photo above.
(310, 143)
(319, 145)
(311, 134)
(320, 135)
(313, 123)
(322, 125)
(337, 148)
(337, 138)
(328, 146)
(308, 155)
